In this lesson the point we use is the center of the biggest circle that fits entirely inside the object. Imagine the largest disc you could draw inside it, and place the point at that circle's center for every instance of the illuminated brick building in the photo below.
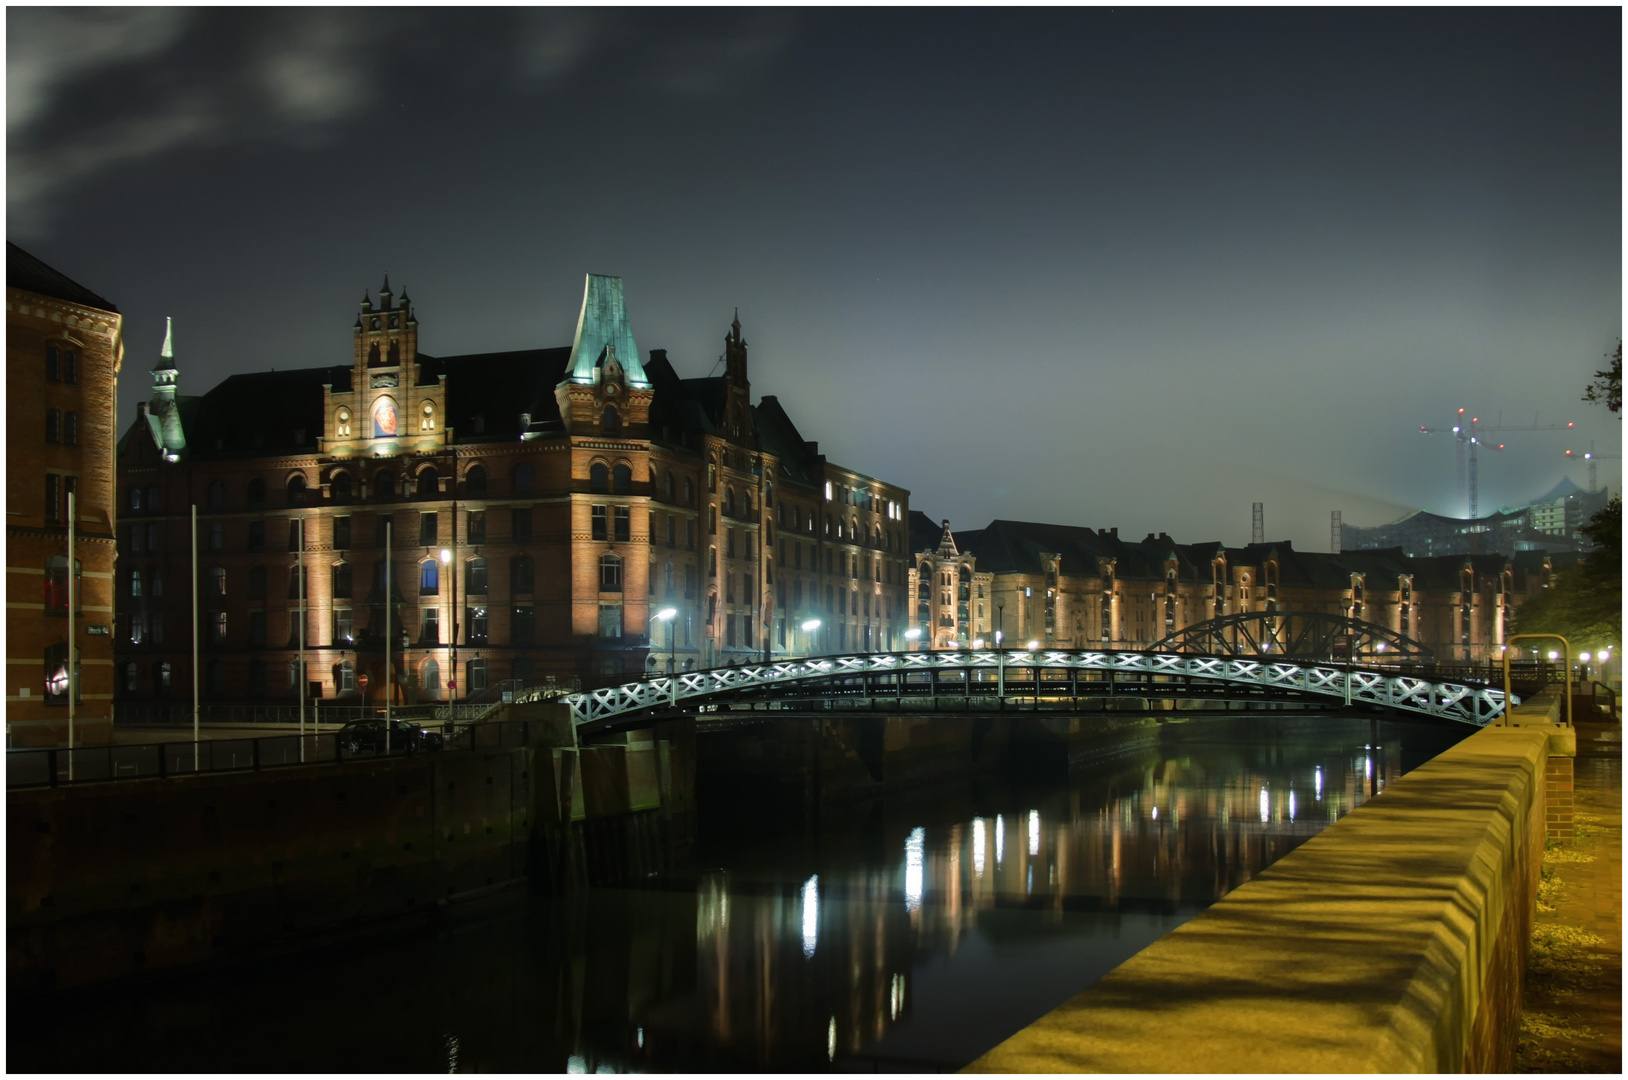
(1070, 587)
(63, 348)
(543, 505)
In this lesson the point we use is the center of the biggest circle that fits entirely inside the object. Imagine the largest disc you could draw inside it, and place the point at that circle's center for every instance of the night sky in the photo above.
(1107, 267)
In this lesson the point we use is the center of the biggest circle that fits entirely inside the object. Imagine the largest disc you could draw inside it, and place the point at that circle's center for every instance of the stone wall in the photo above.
(1394, 941)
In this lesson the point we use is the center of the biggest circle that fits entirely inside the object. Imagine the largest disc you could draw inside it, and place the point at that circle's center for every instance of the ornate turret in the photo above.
(605, 390)
(738, 424)
(946, 543)
(163, 411)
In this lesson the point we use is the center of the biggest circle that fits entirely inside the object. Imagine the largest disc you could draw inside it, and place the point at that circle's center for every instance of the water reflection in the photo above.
(890, 937)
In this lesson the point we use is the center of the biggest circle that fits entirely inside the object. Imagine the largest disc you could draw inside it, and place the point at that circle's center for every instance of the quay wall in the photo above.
(1393, 941)
(106, 880)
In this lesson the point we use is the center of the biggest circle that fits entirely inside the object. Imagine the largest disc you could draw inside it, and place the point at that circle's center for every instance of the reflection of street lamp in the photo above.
(913, 635)
(809, 626)
(666, 615)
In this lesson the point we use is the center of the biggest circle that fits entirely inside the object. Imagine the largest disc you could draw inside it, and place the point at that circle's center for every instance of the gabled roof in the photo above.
(498, 388)
(24, 271)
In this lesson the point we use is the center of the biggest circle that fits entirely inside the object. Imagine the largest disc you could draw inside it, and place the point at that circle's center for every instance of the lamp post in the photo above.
(666, 615)
(809, 626)
(452, 659)
(1000, 654)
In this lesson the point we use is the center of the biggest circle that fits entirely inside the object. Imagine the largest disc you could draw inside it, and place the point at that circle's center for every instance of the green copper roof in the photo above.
(166, 355)
(603, 325)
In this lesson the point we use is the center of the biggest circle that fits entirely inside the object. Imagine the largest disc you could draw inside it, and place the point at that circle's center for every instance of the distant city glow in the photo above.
(915, 852)
(978, 846)
(1034, 832)
(811, 914)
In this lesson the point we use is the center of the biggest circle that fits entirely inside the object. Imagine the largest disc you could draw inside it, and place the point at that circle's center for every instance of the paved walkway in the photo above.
(146, 734)
(1572, 1020)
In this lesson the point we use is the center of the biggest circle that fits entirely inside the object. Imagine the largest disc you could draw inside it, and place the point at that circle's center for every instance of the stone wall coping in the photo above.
(1364, 950)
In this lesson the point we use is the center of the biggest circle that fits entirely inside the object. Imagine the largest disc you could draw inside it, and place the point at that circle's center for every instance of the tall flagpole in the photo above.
(73, 598)
(194, 637)
(387, 569)
(299, 682)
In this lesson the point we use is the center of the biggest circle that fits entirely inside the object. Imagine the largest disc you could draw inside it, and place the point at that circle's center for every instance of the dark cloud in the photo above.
(1110, 267)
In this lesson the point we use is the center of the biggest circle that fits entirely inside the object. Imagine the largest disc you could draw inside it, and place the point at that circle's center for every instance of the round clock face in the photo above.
(610, 389)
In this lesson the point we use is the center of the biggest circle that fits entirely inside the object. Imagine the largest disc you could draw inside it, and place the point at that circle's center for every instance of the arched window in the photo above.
(135, 498)
(522, 478)
(340, 486)
(342, 423)
(475, 481)
(611, 423)
(135, 583)
(598, 478)
(427, 486)
(217, 495)
(667, 487)
(475, 576)
(768, 495)
(729, 501)
(395, 350)
(429, 677)
(384, 485)
(622, 479)
(296, 489)
(689, 492)
(154, 503)
(373, 350)
(217, 581)
(429, 577)
(257, 491)
(610, 573)
(426, 416)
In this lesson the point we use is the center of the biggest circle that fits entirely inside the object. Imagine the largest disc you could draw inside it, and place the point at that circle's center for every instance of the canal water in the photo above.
(909, 934)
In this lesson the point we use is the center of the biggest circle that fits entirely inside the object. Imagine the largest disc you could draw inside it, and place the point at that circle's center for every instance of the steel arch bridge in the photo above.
(1293, 635)
(1048, 673)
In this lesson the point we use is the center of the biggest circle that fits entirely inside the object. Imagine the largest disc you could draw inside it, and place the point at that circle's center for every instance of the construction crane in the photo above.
(1468, 436)
(1591, 457)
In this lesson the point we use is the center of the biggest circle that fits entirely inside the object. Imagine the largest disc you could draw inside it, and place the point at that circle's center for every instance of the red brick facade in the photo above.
(63, 350)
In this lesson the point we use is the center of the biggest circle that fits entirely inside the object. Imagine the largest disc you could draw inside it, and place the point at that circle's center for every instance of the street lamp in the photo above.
(809, 626)
(666, 615)
(452, 658)
(913, 635)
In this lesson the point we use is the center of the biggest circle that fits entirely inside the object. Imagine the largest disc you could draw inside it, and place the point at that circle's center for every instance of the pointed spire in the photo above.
(946, 542)
(384, 293)
(367, 301)
(166, 355)
(737, 323)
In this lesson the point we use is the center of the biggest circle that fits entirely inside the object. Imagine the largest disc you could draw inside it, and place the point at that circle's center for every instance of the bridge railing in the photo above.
(1361, 684)
(58, 766)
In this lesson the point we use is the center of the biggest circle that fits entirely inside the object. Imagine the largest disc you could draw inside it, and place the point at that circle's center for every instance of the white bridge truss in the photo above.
(1339, 683)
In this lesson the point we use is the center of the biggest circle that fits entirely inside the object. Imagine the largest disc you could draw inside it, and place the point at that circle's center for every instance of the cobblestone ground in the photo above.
(1572, 1009)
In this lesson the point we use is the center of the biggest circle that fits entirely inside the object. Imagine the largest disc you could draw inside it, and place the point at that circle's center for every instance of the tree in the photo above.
(1584, 602)
(1607, 385)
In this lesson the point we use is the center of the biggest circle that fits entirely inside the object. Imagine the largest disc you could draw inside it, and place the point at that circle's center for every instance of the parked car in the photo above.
(360, 735)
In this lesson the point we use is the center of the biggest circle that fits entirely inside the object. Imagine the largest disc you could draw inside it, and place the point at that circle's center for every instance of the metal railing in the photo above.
(59, 766)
